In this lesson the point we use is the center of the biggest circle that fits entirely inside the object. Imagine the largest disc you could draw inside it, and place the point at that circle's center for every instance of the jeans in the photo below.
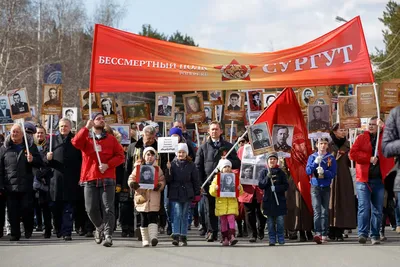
(168, 207)
(179, 217)
(99, 204)
(370, 200)
(320, 202)
(397, 210)
(276, 226)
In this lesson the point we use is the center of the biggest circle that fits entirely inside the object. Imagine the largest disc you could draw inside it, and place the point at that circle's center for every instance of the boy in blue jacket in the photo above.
(321, 167)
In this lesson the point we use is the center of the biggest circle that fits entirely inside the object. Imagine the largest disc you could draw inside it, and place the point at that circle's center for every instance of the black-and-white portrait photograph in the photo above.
(234, 101)
(320, 101)
(19, 103)
(136, 113)
(248, 155)
(227, 185)
(180, 116)
(209, 113)
(71, 114)
(318, 118)
(282, 137)
(306, 96)
(147, 176)
(5, 111)
(246, 174)
(260, 137)
(107, 106)
(52, 95)
(215, 97)
(254, 100)
(268, 98)
(47, 123)
(257, 171)
(350, 107)
(84, 100)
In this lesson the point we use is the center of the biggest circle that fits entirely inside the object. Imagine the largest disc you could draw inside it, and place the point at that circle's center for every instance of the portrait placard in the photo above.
(136, 113)
(267, 99)
(322, 95)
(234, 106)
(260, 138)
(227, 184)
(318, 121)
(84, 103)
(228, 130)
(366, 101)
(164, 108)
(246, 174)
(147, 176)
(306, 96)
(215, 97)
(108, 107)
(18, 98)
(167, 144)
(71, 113)
(209, 114)
(194, 107)
(389, 95)
(282, 138)
(46, 123)
(124, 131)
(180, 116)
(255, 100)
(5, 111)
(348, 112)
(52, 99)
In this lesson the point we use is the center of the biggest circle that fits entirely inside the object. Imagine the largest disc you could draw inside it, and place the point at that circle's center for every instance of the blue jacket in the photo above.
(269, 206)
(328, 164)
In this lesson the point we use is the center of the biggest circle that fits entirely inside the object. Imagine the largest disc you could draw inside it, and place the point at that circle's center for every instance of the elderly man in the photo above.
(99, 180)
(65, 161)
(207, 159)
(16, 179)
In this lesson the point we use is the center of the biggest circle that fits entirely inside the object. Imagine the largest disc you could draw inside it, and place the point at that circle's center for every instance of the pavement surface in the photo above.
(82, 251)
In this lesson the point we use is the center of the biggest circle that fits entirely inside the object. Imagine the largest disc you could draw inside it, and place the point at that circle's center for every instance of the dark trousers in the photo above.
(211, 215)
(82, 221)
(63, 217)
(3, 202)
(126, 216)
(38, 212)
(46, 211)
(20, 205)
(162, 213)
(253, 212)
(147, 218)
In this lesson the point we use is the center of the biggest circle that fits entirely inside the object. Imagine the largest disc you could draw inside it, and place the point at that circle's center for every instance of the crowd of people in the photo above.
(88, 183)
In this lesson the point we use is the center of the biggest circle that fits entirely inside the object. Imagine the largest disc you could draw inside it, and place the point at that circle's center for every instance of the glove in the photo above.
(196, 199)
(272, 188)
(158, 186)
(36, 184)
(117, 189)
(269, 175)
(134, 186)
(320, 170)
(318, 160)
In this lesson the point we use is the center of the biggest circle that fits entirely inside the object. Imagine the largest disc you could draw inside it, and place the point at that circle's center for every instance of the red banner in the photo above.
(290, 114)
(126, 62)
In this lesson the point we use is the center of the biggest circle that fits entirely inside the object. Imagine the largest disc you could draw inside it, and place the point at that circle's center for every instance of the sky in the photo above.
(250, 26)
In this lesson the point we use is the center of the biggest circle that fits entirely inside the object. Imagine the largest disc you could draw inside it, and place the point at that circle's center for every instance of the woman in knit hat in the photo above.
(183, 188)
(147, 201)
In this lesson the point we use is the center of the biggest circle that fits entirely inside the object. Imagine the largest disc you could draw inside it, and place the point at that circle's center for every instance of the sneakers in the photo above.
(317, 239)
(375, 241)
(183, 240)
(362, 239)
(67, 238)
(175, 240)
(398, 229)
(98, 236)
(324, 239)
(108, 241)
(383, 237)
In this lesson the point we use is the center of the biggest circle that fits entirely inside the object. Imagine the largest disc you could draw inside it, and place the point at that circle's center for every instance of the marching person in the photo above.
(16, 180)
(321, 167)
(274, 182)
(183, 188)
(147, 201)
(370, 175)
(226, 207)
(99, 181)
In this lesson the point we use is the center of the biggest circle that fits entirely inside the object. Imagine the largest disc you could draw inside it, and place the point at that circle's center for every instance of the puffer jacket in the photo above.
(391, 144)
(224, 205)
(16, 173)
(147, 200)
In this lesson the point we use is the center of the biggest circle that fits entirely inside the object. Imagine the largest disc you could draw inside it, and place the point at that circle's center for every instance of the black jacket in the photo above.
(66, 167)
(16, 173)
(183, 182)
(208, 156)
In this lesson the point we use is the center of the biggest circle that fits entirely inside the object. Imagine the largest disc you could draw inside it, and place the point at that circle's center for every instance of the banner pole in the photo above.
(51, 133)
(93, 133)
(231, 136)
(379, 117)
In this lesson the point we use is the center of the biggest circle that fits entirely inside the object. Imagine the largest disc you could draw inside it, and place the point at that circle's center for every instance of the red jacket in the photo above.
(362, 151)
(111, 153)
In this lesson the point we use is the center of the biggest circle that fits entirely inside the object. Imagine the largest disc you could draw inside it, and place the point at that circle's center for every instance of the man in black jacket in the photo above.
(65, 161)
(207, 159)
(16, 180)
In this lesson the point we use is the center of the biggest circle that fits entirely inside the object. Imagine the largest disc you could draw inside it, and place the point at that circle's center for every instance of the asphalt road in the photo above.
(82, 251)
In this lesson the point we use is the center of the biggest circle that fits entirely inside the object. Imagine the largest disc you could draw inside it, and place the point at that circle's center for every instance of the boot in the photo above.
(309, 235)
(303, 237)
(175, 240)
(153, 234)
(225, 238)
(138, 234)
(144, 231)
(232, 239)
(183, 240)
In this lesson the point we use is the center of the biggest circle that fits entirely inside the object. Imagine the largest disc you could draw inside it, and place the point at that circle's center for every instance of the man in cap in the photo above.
(86, 99)
(260, 142)
(99, 178)
(317, 123)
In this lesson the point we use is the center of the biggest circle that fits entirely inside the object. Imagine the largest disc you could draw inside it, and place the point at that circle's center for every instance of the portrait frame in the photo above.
(85, 105)
(228, 130)
(211, 113)
(249, 181)
(193, 116)
(180, 116)
(302, 93)
(140, 169)
(263, 145)
(112, 118)
(225, 190)
(124, 131)
(140, 113)
(265, 98)
(6, 118)
(19, 112)
(251, 103)
(347, 120)
(46, 123)
(283, 151)
(74, 120)
(158, 114)
(216, 97)
(237, 114)
(55, 107)
(321, 128)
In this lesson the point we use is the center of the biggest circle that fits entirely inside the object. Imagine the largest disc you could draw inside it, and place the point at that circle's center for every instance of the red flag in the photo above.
(286, 110)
